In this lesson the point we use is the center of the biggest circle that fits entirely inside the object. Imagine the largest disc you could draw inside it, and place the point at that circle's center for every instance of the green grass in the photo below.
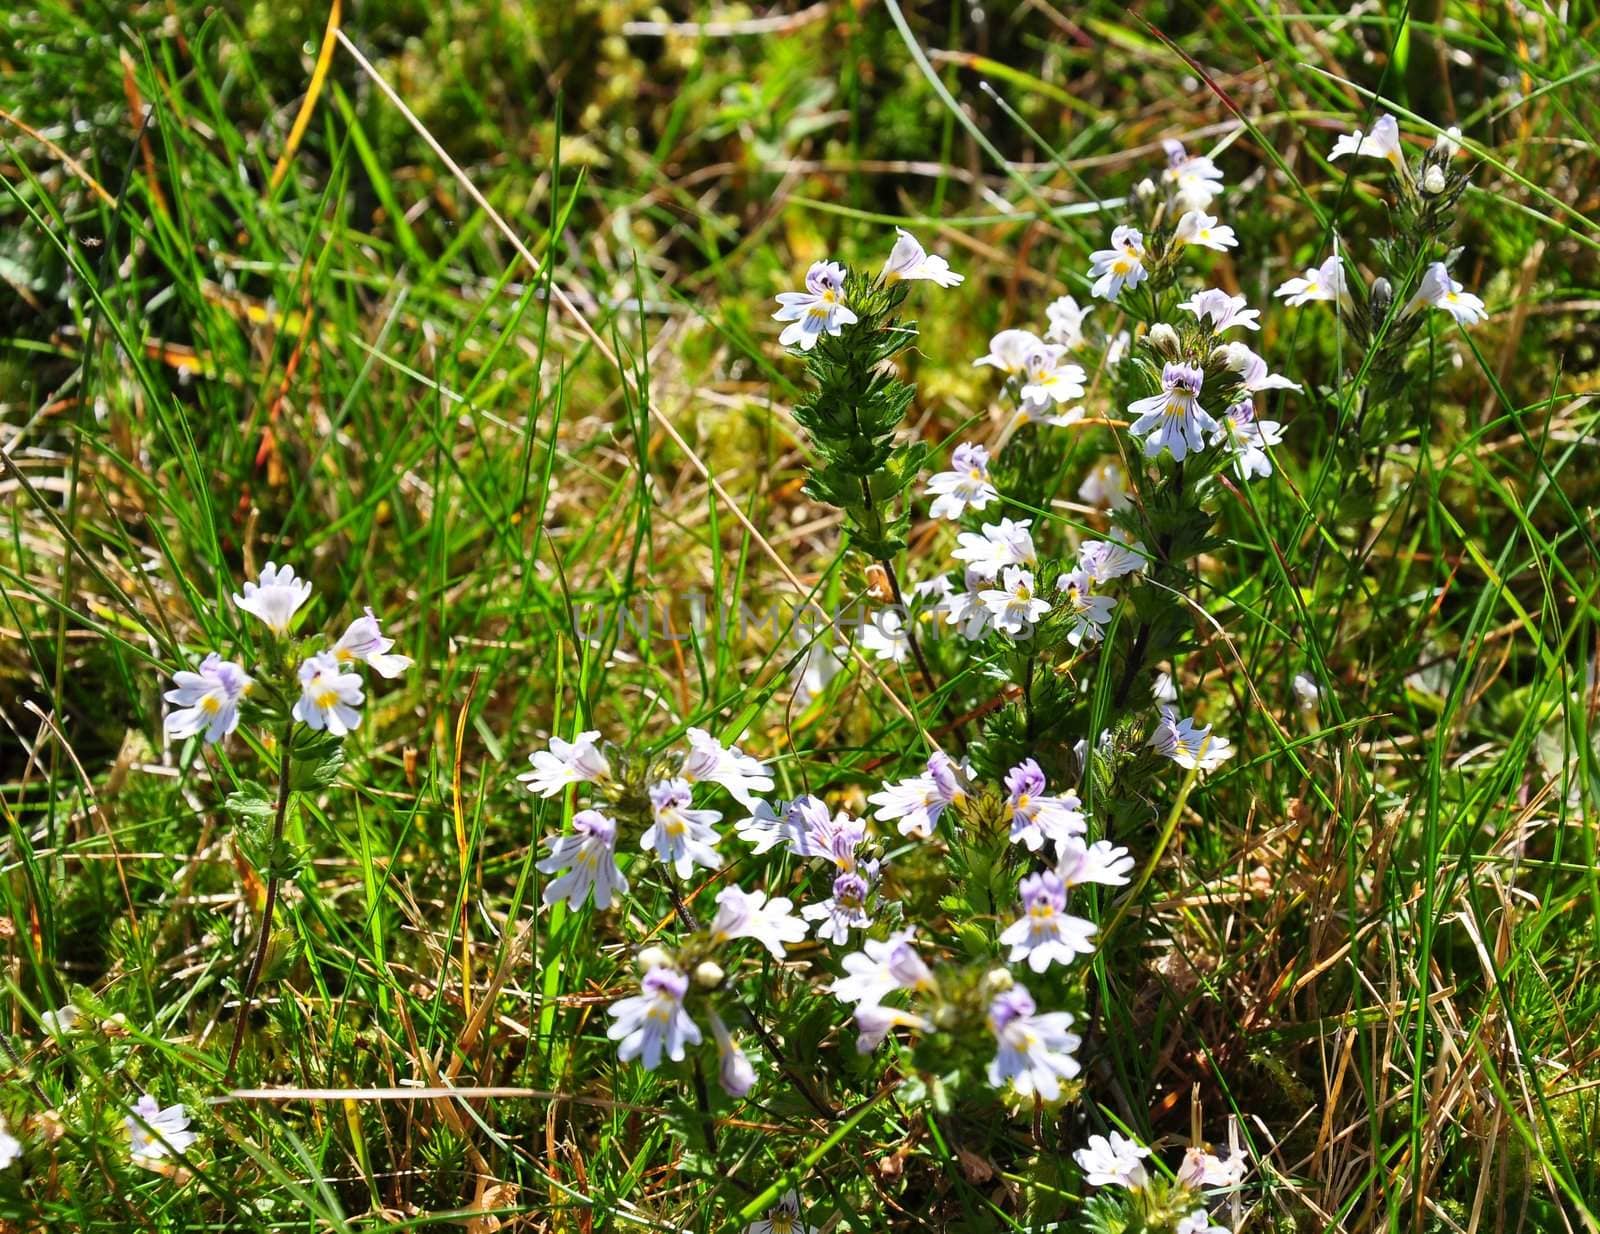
(1371, 937)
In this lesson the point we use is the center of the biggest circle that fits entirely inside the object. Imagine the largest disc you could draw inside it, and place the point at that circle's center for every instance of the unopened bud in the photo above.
(1448, 142)
(997, 981)
(1382, 297)
(1164, 339)
(1145, 189)
(654, 957)
(1433, 180)
(708, 974)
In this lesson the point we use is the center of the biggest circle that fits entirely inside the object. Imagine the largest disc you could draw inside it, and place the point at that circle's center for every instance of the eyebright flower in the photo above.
(276, 598)
(782, 1218)
(1199, 1222)
(10, 1146)
(1306, 693)
(995, 546)
(363, 641)
(207, 700)
(679, 836)
(1066, 322)
(880, 968)
(884, 635)
(1087, 612)
(654, 1020)
(1037, 816)
(832, 837)
(1173, 419)
(771, 923)
(1105, 485)
(329, 696)
(1438, 290)
(1198, 227)
(766, 828)
(965, 486)
(1246, 438)
(1194, 178)
(909, 260)
(1252, 369)
(578, 761)
(1048, 382)
(1035, 1052)
(1009, 351)
(1188, 744)
(845, 909)
(966, 609)
(1121, 265)
(1324, 282)
(589, 857)
(1101, 862)
(1222, 310)
(1383, 142)
(710, 761)
(1046, 932)
(819, 309)
(1014, 606)
(1203, 1169)
(60, 1023)
(1114, 1161)
(916, 804)
(734, 1071)
(154, 1132)
(874, 1022)
(1105, 560)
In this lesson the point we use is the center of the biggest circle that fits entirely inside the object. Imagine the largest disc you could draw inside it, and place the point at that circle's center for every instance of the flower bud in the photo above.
(654, 957)
(1164, 339)
(1433, 180)
(997, 981)
(1145, 189)
(1382, 297)
(708, 974)
(1448, 142)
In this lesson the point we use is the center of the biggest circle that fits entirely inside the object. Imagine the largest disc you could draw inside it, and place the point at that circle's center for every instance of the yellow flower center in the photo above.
(211, 704)
(326, 699)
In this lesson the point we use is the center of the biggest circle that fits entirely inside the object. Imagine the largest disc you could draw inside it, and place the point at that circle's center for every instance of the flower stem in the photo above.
(285, 758)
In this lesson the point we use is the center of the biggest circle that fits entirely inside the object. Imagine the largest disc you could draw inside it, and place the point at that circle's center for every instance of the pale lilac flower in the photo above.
(995, 546)
(1048, 381)
(1222, 310)
(679, 836)
(1198, 227)
(276, 598)
(1194, 179)
(1162, 690)
(329, 696)
(1114, 1161)
(10, 1146)
(765, 829)
(1101, 862)
(844, 910)
(154, 1132)
(1252, 369)
(1037, 816)
(965, 486)
(1188, 744)
(363, 641)
(709, 761)
(909, 260)
(782, 1218)
(1046, 933)
(1105, 560)
(831, 836)
(207, 700)
(654, 1020)
(579, 761)
(1014, 607)
(1438, 290)
(1009, 351)
(1087, 612)
(60, 1023)
(1066, 322)
(1121, 265)
(1247, 438)
(1324, 282)
(1382, 142)
(1306, 693)
(1199, 1222)
(1203, 1169)
(884, 635)
(874, 1022)
(589, 857)
(914, 805)
(819, 309)
(1174, 418)
(734, 1071)
(771, 923)
(880, 968)
(966, 609)
(1035, 1051)
(1105, 485)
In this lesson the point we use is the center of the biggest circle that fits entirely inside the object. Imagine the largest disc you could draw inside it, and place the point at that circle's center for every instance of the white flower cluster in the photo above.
(1116, 1160)
(821, 309)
